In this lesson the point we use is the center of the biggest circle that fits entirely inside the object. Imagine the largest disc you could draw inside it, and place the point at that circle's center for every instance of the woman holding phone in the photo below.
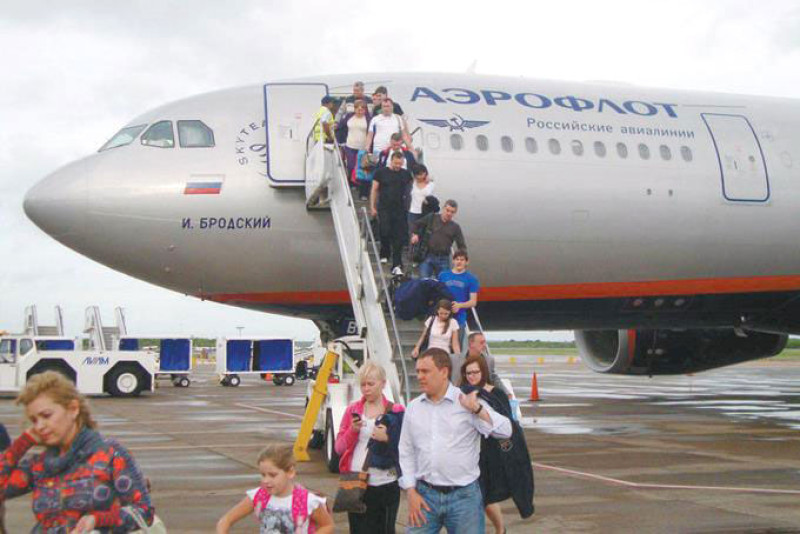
(368, 438)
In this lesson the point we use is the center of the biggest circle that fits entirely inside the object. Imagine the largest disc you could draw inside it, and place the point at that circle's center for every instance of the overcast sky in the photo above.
(75, 72)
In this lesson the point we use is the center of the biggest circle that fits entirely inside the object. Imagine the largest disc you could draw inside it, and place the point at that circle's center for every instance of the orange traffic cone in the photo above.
(534, 389)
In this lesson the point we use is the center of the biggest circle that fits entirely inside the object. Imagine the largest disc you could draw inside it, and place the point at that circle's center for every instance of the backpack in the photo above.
(418, 297)
(299, 505)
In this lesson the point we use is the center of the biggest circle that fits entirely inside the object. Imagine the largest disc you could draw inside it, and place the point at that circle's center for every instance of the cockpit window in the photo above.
(195, 134)
(123, 137)
(159, 135)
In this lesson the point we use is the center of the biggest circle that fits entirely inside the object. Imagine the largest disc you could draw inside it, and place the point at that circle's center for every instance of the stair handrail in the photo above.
(480, 329)
(370, 236)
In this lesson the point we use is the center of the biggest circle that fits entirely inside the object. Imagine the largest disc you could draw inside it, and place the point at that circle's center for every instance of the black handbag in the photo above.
(352, 486)
(420, 250)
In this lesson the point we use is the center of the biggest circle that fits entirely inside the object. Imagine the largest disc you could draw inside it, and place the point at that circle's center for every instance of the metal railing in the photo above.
(338, 173)
(370, 238)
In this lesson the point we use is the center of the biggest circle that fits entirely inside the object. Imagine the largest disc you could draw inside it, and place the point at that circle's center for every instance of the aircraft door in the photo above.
(8, 364)
(289, 110)
(743, 169)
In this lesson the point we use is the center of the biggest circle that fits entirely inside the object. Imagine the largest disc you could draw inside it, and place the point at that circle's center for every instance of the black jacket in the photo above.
(506, 469)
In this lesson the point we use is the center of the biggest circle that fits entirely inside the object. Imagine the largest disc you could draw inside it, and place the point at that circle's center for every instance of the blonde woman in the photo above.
(82, 481)
(372, 424)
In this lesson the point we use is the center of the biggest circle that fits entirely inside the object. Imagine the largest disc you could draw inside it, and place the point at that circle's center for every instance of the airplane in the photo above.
(657, 224)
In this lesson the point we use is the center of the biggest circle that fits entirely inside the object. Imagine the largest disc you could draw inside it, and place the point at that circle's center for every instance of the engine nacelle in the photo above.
(672, 352)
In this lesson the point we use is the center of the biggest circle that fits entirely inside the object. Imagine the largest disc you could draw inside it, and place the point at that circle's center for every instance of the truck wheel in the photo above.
(277, 380)
(288, 380)
(234, 380)
(331, 458)
(182, 382)
(125, 381)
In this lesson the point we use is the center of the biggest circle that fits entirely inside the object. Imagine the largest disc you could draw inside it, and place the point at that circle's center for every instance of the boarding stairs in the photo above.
(33, 328)
(104, 338)
(388, 341)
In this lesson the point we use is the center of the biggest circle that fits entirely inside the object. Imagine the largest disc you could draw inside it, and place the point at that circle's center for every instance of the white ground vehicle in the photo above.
(94, 370)
(120, 374)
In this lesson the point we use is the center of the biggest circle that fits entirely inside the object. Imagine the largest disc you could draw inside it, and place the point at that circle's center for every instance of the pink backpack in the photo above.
(299, 505)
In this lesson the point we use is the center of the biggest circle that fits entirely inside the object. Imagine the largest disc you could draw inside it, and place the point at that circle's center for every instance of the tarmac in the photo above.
(716, 452)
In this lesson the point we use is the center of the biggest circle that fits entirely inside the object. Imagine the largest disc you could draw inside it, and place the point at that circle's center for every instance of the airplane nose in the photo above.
(58, 203)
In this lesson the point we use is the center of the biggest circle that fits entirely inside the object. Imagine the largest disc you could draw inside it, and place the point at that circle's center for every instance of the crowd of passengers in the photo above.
(456, 450)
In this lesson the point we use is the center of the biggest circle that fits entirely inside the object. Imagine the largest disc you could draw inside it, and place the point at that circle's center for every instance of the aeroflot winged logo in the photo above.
(456, 124)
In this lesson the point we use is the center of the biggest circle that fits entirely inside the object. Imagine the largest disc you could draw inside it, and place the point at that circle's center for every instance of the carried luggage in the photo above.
(417, 297)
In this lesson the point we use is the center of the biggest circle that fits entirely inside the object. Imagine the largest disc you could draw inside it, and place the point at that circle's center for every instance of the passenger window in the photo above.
(25, 346)
(159, 135)
(507, 144)
(666, 153)
(686, 153)
(555, 146)
(195, 134)
(531, 145)
(644, 151)
(456, 142)
(577, 147)
(622, 150)
(123, 137)
(433, 140)
(482, 142)
(600, 149)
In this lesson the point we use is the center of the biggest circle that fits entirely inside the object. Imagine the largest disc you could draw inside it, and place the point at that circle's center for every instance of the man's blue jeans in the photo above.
(433, 265)
(458, 512)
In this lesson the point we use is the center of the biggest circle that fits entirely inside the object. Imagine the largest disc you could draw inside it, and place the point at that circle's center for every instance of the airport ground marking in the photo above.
(267, 410)
(645, 485)
(211, 447)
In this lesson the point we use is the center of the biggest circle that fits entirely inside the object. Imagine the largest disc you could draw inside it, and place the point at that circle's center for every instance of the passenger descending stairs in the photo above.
(389, 342)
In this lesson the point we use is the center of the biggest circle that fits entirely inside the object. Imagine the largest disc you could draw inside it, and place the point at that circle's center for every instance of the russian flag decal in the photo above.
(202, 188)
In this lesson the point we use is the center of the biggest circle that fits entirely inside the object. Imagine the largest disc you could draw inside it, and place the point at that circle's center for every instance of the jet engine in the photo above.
(673, 352)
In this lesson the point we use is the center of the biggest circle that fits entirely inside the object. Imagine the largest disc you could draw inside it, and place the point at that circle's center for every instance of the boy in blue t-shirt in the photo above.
(463, 285)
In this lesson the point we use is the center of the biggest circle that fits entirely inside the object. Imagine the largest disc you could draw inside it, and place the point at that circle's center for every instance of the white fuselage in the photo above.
(704, 202)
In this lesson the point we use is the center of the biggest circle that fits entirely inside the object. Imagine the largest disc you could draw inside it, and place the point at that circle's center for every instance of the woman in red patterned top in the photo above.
(81, 481)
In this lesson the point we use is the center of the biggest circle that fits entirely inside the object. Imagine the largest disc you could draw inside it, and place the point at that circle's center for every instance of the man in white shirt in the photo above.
(439, 451)
(383, 126)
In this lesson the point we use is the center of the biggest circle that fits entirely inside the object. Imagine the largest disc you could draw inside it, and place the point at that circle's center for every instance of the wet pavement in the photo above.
(717, 452)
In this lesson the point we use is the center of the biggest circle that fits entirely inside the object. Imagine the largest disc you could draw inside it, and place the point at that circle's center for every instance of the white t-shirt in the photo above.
(439, 339)
(418, 195)
(377, 477)
(276, 518)
(383, 127)
(357, 132)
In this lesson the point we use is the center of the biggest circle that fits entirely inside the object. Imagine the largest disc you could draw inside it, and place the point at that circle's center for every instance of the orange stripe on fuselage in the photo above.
(700, 286)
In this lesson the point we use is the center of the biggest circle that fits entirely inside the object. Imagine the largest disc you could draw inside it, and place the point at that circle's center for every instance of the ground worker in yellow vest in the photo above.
(323, 120)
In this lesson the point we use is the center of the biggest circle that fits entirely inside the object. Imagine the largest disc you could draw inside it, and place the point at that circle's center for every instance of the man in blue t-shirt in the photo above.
(464, 286)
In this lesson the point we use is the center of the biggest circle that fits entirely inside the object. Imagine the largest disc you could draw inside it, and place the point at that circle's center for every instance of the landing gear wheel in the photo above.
(124, 381)
(277, 380)
(234, 381)
(331, 458)
(288, 380)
